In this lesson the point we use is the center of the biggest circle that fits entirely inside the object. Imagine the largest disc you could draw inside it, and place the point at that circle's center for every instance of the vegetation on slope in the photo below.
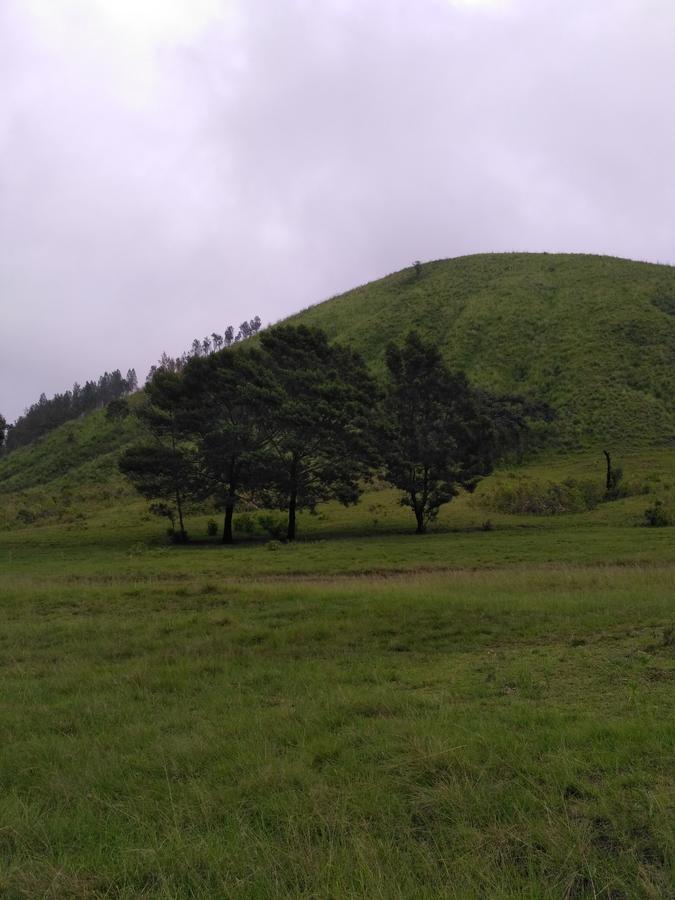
(593, 336)
(47, 414)
(67, 473)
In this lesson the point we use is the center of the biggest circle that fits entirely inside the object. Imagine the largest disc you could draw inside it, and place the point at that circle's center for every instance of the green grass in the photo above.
(592, 335)
(109, 516)
(366, 713)
(469, 734)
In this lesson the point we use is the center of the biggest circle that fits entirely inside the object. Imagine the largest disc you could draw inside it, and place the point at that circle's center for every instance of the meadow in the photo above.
(483, 711)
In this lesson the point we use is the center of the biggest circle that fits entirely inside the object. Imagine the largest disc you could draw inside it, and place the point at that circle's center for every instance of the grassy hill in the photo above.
(593, 336)
(484, 711)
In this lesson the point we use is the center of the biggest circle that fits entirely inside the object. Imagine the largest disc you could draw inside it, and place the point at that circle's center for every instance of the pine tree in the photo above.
(320, 430)
(131, 381)
(436, 435)
(230, 396)
(164, 467)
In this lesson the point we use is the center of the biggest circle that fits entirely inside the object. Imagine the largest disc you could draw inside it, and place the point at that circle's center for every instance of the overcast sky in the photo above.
(168, 167)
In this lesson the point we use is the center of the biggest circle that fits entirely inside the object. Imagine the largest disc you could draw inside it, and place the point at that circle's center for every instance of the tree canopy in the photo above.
(295, 420)
(164, 467)
(230, 396)
(319, 429)
(436, 435)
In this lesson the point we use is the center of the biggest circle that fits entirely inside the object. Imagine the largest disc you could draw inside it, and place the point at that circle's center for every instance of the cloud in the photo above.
(168, 168)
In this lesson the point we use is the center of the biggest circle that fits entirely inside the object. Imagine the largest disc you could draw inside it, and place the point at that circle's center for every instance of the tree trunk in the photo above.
(181, 526)
(177, 486)
(227, 525)
(228, 537)
(608, 479)
(421, 506)
(421, 524)
(292, 504)
(292, 499)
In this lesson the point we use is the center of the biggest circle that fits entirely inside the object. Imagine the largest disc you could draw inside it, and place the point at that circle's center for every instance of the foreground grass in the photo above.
(467, 734)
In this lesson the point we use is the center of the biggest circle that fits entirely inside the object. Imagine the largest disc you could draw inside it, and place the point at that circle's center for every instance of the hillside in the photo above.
(593, 336)
(485, 711)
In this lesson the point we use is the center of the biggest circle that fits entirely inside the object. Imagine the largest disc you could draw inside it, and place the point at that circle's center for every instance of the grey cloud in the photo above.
(300, 148)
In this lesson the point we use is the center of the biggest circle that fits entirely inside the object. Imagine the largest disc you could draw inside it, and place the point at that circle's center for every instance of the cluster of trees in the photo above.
(47, 414)
(212, 343)
(296, 420)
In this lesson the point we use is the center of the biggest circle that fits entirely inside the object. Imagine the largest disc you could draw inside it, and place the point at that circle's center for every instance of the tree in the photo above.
(164, 468)
(131, 381)
(3, 430)
(47, 414)
(613, 476)
(436, 436)
(230, 396)
(513, 419)
(117, 410)
(319, 431)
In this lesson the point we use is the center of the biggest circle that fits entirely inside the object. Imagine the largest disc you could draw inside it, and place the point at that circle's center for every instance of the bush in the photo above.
(25, 516)
(615, 491)
(246, 524)
(545, 498)
(274, 525)
(212, 528)
(657, 516)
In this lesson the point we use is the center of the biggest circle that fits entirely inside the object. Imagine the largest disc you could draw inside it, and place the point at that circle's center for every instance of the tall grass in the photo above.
(470, 734)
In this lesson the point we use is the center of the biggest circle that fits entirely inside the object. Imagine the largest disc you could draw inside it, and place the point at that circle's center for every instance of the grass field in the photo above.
(486, 711)
(366, 713)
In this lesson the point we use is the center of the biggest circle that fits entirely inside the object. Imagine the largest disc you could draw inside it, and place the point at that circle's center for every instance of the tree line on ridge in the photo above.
(49, 413)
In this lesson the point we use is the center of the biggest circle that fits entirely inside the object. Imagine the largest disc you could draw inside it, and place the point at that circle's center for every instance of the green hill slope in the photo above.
(594, 336)
(59, 476)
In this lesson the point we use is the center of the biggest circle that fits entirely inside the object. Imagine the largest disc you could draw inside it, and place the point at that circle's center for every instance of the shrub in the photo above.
(657, 516)
(25, 516)
(614, 489)
(545, 498)
(246, 524)
(212, 528)
(275, 526)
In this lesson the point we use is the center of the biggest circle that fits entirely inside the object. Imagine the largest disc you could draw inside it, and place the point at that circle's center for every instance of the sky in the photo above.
(169, 167)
